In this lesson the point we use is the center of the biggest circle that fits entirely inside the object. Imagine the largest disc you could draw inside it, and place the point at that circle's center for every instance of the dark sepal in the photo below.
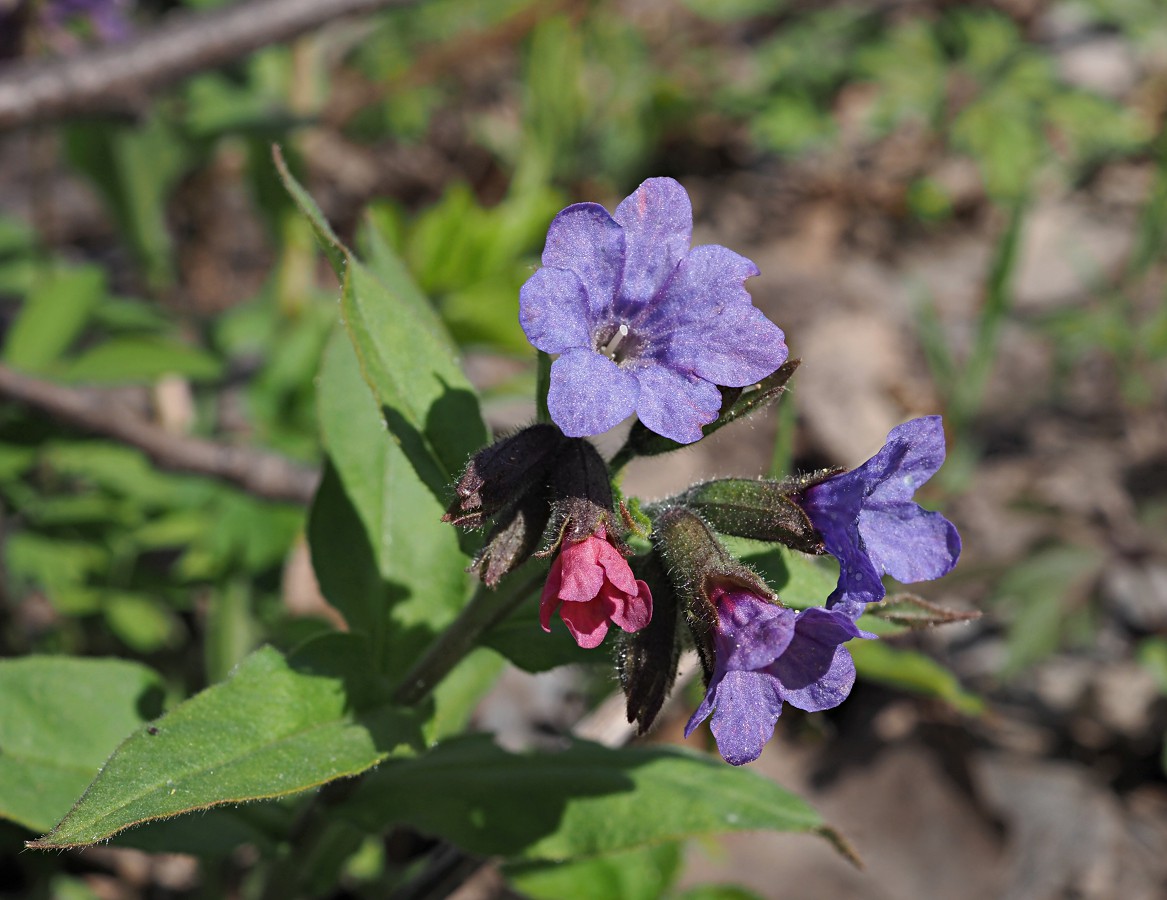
(500, 474)
(581, 497)
(516, 534)
(762, 510)
(696, 561)
(646, 661)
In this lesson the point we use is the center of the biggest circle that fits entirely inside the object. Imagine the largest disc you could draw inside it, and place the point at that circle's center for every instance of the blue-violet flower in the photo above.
(870, 523)
(641, 322)
(766, 655)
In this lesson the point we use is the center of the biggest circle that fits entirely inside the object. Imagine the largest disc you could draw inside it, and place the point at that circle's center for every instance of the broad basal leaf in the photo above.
(584, 801)
(60, 718)
(276, 726)
(383, 556)
(405, 355)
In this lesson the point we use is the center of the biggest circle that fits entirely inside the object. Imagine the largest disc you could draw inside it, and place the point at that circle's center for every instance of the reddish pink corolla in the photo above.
(591, 584)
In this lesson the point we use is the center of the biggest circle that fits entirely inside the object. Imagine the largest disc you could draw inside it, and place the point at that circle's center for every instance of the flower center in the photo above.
(617, 342)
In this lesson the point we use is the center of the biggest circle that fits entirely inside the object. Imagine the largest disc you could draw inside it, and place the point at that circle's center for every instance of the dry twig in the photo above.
(263, 474)
(117, 78)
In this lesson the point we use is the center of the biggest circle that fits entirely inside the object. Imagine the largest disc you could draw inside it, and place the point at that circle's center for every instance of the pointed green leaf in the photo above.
(384, 557)
(275, 727)
(405, 354)
(59, 720)
(580, 802)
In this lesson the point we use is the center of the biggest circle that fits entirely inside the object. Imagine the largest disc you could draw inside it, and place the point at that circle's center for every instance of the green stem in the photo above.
(542, 386)
(485, 609)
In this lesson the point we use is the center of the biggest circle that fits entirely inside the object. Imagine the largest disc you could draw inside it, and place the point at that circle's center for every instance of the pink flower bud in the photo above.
(591, 584)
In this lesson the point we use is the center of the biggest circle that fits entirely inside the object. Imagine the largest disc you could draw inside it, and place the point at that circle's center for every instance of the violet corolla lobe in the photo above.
(872, 526)
(642, 322)
(767, 655)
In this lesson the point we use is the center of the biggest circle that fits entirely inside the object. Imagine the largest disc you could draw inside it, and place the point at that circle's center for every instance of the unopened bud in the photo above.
(762, 510)
(500, 474)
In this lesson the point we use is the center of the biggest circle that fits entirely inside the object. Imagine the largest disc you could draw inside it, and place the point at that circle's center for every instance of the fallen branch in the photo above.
(117, 78)
(263, 474)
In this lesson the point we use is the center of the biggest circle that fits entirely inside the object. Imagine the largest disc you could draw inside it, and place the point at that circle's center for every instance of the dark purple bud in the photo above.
(647, 660)
(502, 473)
(581, 497)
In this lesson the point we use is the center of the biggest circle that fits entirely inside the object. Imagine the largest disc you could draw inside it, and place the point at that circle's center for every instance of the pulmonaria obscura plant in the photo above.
(643, 323)
(566, 566)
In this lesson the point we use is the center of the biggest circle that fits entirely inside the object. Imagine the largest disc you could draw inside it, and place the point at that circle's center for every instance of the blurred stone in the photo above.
(1067, 835)
(847, 388)
(1105, 64)
(914, 829)
(1065, 250)
(1137, 591)
(1124, 694)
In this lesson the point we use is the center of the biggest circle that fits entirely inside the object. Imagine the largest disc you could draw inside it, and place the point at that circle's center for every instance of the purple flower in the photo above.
(870, 523)
(641, 322)
(109, 19)
(766, 655)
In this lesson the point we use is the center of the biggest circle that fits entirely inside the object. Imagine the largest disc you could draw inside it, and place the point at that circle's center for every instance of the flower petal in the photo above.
(748, 706)
(675, 405)
(589, 393)
(834, 508)
(616, 567)
(816, 672)
(908, 542)
(633, 611)
(587, 241)
(581, 576)
(914, 452)
(657, 219)
(587, 622)
(553, 311)
(735, 348)
(751, 632)
(549, 600)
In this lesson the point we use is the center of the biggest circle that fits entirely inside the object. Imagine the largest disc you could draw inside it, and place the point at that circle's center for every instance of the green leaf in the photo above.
(384, 557)
(719, 892)
(277, 726)
(584, 801)
(134, 168)
(522, 641)
(334, 250)
(59, 719)
(457, 695)
(1039, 595)
(1152, 656)
(132, 359)
(52, 316)
(800, 580)
(642, 874)
(405, 356)
(143, 623)
(909, 670)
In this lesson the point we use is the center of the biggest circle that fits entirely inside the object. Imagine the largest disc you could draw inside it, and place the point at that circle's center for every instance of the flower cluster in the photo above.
(643, 323)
